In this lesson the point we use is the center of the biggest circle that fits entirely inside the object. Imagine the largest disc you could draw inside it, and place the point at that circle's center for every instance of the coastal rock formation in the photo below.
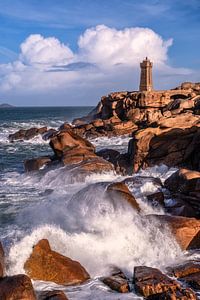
(36, 164)
(67, 140)
(150, 281)
(179, 294)
(45, 264)
(184, 186)
(16, 287)
(28, 134)
(169, 146)
(118, 191)
(185, 230)
(117, 281)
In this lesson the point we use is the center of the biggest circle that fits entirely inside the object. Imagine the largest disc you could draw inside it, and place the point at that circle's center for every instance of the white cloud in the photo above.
(109, 46)
(37, 50)
(107, 59)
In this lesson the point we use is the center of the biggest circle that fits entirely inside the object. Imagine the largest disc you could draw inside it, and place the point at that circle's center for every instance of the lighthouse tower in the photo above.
(146, 82)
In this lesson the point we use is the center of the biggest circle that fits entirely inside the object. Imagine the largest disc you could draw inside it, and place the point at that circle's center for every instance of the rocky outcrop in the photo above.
(53, 295)
(117, 281)
(36, 164)
(179, 294)
(28, 134)
(150, 281)
(184, 186)
(2, 261)
(185, 230)
(16, 287)
(47, 265)
(185, 269)
(169, 146)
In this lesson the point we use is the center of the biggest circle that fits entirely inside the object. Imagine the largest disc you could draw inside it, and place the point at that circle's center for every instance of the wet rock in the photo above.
(16, 287)
(184, 186)
(36, 163)
(28, 134)
(47, 265)
(77, 155)
(2, 261)
(156, 199)
(65, 141)
(185, 230)
(120, 192)
(65, 126)
(151, 281)
(49, 134)
(79, 172)
(53, 295)
(179, 294)
(117, 281)
(184, 269)
(193, 280)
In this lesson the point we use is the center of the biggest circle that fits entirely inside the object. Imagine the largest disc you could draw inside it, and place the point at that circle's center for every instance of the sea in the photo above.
(74, 216)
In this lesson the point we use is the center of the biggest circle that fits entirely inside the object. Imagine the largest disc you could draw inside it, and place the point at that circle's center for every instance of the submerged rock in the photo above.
(47, 265)
(18, 287)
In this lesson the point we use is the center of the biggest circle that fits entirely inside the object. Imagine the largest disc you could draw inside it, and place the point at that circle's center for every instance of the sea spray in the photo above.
(99, 235)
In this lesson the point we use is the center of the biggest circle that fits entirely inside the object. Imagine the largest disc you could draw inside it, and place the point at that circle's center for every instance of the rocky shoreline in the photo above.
(165, 130)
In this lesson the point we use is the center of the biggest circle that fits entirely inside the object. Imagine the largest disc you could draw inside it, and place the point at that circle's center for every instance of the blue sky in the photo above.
(66, 21)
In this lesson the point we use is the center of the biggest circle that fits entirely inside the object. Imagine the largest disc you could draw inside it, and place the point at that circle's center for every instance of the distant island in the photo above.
(5, 105)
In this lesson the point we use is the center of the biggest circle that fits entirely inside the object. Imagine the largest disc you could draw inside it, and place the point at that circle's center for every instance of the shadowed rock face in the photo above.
(171, 146)
(184, 186)
(53, 295)
(1, 260)
(16, 287)
(45, 264)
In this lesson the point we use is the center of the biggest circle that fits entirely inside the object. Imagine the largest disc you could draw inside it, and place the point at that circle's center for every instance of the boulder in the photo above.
(67, 140)
(179, 294)
(2, 261)
(184, 186)
(120, 192)
(156, 199)
(53, 295)
(18, 287)
(193, 280)
(36, 163)
(172, 147)
(151, 281)
(28, 134)
(77, 155)
(49, 134)
(184, 269)
(185, 230)
(120, 161)
(117, 281)
(48, 265)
